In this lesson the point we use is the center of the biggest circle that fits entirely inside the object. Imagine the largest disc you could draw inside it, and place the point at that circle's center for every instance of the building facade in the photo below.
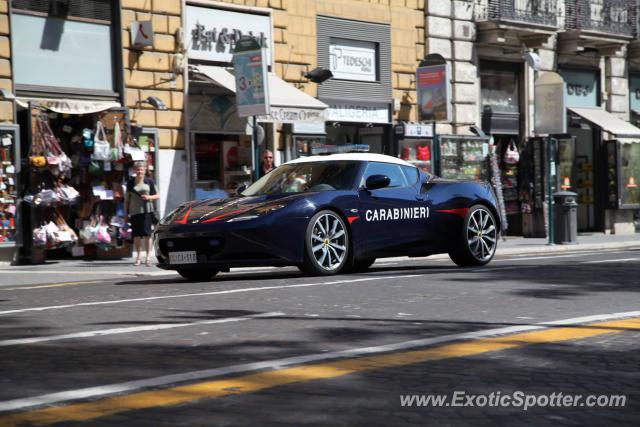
(74, 87)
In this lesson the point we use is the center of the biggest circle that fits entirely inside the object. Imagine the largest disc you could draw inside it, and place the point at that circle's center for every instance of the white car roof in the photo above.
(363, 157)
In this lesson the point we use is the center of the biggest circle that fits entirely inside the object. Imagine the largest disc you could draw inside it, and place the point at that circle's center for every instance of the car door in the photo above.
(392, 217)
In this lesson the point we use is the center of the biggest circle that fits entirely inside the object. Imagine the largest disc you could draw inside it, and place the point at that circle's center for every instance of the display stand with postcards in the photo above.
(9, 174)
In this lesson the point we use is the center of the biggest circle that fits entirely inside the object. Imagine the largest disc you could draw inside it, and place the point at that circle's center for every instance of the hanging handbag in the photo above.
(95, 167)
(40, 237)
(424, 153)
(101, 147)
(511, 155)
(87, 139)
(117, 152)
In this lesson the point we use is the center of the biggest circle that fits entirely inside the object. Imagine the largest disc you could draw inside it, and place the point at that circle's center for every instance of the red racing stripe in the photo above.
(461, 212)
(352, 218)
(185, 217)
(224, 215)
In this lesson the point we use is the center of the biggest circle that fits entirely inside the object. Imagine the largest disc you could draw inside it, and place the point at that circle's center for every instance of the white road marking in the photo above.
(543, 257)
(163, 381)
(610, 260)
(129, 330)
(229, 291)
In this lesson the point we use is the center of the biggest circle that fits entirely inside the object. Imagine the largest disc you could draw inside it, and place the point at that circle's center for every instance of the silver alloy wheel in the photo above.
(329, 241)
(482, 234)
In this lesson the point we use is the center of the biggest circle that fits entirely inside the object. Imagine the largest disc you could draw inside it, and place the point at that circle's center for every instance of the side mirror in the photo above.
(377, 181)
(240, 189)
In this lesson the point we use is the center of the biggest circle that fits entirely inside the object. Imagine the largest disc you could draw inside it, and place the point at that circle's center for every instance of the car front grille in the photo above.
(208, 246)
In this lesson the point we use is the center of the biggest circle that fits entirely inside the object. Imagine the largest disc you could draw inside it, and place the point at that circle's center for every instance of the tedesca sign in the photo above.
(353, 60)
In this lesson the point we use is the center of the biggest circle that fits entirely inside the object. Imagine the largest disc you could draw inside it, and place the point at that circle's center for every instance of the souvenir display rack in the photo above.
(76, 198)
(9, 183)
(464, 157)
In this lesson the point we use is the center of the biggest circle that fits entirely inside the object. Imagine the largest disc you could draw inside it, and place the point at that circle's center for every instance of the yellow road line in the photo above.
(50, 285)
(265, 380)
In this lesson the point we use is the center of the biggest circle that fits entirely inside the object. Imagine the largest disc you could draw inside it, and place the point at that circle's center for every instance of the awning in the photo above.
(287, 103)
(69, 106)
(607, 122)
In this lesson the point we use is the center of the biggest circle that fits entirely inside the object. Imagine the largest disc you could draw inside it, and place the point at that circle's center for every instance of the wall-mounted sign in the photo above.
(252, 86)
(212, 34)
(352, 112)
(418, 130)
(550, 101)
(582, 88)
(434, 97)
(353, 60)
(141, 34)
(312, 128)
(293, 115)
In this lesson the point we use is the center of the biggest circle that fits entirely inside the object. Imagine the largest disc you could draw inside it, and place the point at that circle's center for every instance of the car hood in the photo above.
(212, 210)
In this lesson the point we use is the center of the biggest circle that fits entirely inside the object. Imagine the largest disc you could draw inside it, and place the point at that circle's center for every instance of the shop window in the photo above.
(630, 174)
(75, 40)
(499, 89)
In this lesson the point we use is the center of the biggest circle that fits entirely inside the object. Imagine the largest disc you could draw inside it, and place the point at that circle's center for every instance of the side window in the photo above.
(411, 173)
(394, 173)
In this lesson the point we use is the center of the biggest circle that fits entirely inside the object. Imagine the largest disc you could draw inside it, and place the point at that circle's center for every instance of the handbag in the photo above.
(40, 237)
(511, 155)
(424, 153)
(117, 154)
(87, 139)
(95, 168)
(101, 147)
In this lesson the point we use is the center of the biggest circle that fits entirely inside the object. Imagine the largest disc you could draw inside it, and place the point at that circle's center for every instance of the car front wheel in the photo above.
(326, 244)
(478, 239)
(197, 275)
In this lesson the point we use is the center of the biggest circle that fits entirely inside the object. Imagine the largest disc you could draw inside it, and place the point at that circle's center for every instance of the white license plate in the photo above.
(184, 257)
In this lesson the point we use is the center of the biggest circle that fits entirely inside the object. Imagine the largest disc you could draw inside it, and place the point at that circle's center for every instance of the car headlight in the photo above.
(256, 213)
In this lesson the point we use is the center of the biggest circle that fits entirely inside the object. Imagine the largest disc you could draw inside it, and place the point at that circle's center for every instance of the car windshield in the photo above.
(306, 177)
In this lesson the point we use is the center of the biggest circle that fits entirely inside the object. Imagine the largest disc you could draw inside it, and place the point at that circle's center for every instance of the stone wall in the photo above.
(150, 72)
(6, 80)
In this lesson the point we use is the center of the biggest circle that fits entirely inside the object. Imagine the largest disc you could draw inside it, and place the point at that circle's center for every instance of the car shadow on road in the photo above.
(562, 280)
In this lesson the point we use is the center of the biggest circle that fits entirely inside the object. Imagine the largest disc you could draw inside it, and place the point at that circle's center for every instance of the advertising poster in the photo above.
(433, 93)
(252, 88)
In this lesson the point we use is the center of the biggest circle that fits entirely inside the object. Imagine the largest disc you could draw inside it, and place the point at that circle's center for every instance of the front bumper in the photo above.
(225, 245)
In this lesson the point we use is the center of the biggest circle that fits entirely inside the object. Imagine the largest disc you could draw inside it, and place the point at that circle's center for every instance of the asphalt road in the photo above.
(273, 347)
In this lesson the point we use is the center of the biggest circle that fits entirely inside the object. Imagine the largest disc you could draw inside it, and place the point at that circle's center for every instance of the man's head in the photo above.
(267, 158)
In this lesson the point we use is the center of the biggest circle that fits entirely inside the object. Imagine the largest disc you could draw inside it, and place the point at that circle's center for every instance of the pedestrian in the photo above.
(266, 165)
(140, 210)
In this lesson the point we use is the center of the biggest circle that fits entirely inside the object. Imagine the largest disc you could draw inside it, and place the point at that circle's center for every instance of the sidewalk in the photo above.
(76, 269)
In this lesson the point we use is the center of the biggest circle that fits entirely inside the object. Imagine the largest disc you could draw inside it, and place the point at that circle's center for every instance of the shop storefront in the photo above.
(221, 147)
(501, 89)
(70, 152)
(359, 94)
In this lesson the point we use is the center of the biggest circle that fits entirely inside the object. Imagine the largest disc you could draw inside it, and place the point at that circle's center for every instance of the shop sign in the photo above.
(353, 60)
(252, 86)
(293, 115)
(141, 34)
(581, 88)
(213, 33)
(347, 112)
(434, 95)
(418, 130)
(550, 101)
(309, 128)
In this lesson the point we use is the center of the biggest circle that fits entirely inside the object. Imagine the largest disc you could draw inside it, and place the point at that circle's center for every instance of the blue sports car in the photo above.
(331, 214)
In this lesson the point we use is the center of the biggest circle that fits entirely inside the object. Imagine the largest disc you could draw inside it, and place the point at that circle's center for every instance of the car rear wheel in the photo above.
(197, 275)
(326, 244)
(478, 239)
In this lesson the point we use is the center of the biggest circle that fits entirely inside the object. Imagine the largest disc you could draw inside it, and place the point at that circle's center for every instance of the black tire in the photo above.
(477, 243)
(328, 248)
(197, 275)
(362, 265)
